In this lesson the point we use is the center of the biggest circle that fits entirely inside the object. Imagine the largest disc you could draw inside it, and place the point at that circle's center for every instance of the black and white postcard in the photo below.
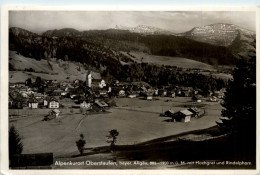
(169, 89)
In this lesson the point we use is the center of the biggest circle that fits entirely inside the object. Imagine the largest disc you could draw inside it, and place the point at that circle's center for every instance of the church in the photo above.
(94, 82)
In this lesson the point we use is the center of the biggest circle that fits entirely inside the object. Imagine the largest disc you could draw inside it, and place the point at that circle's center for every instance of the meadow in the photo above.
(136, 120)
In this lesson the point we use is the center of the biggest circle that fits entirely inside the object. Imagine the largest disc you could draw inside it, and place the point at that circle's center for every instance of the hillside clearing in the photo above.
(54, 69)
(171, 61)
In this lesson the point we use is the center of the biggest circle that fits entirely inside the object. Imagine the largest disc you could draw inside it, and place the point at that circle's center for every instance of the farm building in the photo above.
(103, 93)
(132, 95)
(99, 105)
(149, 97)
(33, 103)
(121, 93)
(85, 105)
(197, 98)
(156, 92)
(54, 104)
(213, 99)
(195, 112)
(102, 84)
(38, 95)
(182, 116)
(162, 92)
(169, 113)
(219, 94)
(171, 94)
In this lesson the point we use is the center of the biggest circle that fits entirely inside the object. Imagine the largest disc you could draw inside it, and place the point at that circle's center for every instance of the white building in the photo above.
(102, 84)
(85, 105)
(33, 103)
(54, 104)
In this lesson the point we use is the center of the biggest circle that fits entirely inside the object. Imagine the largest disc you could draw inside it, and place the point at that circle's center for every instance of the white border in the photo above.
(4, 88)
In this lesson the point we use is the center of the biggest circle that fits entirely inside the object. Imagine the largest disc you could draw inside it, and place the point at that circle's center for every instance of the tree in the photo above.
(81, 144)
(18, 101)
(28, 82)
(38, 82)
(240, 102)
(15, 143)
(112, 138)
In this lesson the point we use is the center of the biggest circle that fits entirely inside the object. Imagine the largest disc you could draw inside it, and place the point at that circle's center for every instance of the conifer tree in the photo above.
(240, 101)
(15, 143)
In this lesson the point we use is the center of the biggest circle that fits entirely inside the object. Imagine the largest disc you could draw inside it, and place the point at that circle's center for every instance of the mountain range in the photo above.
(213, 44)
(143, 29)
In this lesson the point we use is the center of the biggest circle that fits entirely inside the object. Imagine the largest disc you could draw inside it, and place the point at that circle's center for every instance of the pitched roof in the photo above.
(101, 103)
(171, 111)
(194, 110)
(186, 112)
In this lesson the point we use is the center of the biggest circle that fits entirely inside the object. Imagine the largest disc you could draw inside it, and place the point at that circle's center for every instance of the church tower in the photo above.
(88, 79)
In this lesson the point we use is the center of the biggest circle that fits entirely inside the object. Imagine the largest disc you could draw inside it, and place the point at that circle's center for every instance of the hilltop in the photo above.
(239, 40)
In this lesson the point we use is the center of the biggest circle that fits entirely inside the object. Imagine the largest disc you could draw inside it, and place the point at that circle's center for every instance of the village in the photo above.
(95, 95)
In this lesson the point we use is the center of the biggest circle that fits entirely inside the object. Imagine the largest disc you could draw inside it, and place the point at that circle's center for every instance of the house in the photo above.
(132, 95)
(45, 102)
(121, 93)
(85, 105)
(156, 92)
(169, 113)
(103, 93)
(39, 96)
(24, 94)
(219, 94)
(56, 92)
(162, 92)
(54, 112)
(99, 105)
(195, 112)
(182, 116)
(171, 94)
(213, 99)
(64, 93)
(102, 84)
(197, 98)
(33, 103)
(53, 104)
(185, 93)
(149, 97)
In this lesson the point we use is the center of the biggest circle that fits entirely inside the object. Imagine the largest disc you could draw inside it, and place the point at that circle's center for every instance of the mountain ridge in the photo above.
(124, 40)
(218, 34)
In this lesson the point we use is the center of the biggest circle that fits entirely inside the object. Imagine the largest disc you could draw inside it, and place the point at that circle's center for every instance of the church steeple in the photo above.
(88, 79)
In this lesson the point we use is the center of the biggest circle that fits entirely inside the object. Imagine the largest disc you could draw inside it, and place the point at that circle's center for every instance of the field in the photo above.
(54, 70)
(171, 61)
(136, 120)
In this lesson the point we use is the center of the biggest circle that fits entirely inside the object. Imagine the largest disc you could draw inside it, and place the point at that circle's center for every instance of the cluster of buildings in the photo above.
(184, 115)
(92, 94)
(51, 92)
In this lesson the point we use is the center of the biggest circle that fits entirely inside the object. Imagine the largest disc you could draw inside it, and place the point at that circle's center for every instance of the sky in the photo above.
(174, 21)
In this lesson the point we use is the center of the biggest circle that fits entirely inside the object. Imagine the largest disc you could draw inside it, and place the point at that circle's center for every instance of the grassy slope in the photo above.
(172, 61)
(55, 70)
